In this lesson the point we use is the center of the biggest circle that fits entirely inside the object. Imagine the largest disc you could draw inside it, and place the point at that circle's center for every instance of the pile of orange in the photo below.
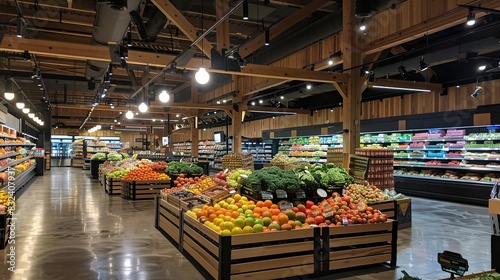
(144, 173)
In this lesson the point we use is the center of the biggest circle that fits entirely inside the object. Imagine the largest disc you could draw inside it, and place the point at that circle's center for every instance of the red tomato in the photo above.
(319, 219)
(309, 204)
(295, 209)
(302, 208)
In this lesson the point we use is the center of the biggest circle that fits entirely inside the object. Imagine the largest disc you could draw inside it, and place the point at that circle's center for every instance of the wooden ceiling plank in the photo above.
(259, 40)
(174, 15)
(276, 72)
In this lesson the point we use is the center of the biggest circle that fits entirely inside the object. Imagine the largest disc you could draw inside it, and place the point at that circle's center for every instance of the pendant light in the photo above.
(31, 115)
(164, 96)
(9, 91)
(26, 110)
(202, 76)
(129, 115)
(143, 108)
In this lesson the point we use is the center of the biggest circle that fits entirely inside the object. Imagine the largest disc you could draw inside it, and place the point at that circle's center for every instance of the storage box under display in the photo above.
(238, 160)
(113, 186)
(136, 190)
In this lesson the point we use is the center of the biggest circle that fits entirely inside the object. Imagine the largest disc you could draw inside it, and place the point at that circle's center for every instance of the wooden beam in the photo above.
(407, 85)
(101, 53)
(268, 83)
(271, 110)
(173, 14)
(342, 89)
(430, 26)
(206, 106)
(283, 25)
(222, 31)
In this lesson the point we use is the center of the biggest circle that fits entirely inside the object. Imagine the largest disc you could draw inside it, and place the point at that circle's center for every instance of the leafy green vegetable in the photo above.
(273, 178)
(406, 276)
(176, 167)
(98, 156)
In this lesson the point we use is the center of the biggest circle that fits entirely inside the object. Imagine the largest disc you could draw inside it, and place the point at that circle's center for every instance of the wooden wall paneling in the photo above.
(482, 119)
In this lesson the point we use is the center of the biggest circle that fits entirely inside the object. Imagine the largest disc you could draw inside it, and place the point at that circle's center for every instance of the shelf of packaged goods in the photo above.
(8, 136)
(428, 149)
(438, 158)
(9, 155)
(481, 139)
(13, 163)
(308, 156)
(16, 144)
(458, 167)
(479, 158)
(93, 146)
(443, 179)
(482, 149)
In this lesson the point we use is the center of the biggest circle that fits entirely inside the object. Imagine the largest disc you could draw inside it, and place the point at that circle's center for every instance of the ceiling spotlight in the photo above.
(112, 106)
(282, 97)
(362, 25)
(164, 96)
(402, 71)
(119, 123)
(482, 67)
(115, 120)
(476, 92)
(330, 61)
(253, 103)
(261, 101)
(423, 66)
(202, 76)
(103, 95)
(224, 101)
(20, 105)
(266, 35)
(143, 108)
(308, 86)
(177, 115)
(364, 71)
(154, 120)
(245, 9)
(458, 86)
(26, 110)
(471, 18)
(136, 113)
(129, 115)
(218, 101)
(371, 76)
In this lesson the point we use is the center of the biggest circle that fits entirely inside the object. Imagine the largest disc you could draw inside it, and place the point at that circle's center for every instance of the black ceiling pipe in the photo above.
(155, 24)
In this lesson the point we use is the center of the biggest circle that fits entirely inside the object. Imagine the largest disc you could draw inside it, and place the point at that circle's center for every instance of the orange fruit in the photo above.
(268, 203)
(267, 214)
(256, 215)
(259, 203)
(212, 217)
(282, 219)
(275, 211)
(274, 206)
(264, 208)
(202, 213)
(274, 218)
(235, 214)
(257, 210)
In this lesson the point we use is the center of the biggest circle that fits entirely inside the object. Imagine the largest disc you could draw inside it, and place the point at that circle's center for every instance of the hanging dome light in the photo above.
(98, 126)
(129, 115)
(143, 108)
(9, 95)
(202, 76)
(42, 123)
(31, 115)
(20, 105)
(26, 110)
(9, 92)
(164, 96)
(36, 119)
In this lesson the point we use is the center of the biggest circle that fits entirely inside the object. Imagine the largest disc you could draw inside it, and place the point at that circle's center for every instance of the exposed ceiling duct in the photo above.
(111, 23)
(155, 24)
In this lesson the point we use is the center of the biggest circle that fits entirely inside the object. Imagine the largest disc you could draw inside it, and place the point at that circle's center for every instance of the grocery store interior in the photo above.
(237, 139)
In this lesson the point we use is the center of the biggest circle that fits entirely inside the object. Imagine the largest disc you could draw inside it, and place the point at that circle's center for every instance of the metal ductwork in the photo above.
(111, 23)
(155, 24)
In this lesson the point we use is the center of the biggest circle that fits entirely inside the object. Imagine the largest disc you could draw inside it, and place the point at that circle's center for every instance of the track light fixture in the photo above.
(22, 31)
(129, 36)
(471, 17)
(266, 35)
(9, 90)
(371, 76)
(423, 66)
(308, 86)
(245, 9)
(476, 92)
(482, 67)
(364, 71)
(402, 71)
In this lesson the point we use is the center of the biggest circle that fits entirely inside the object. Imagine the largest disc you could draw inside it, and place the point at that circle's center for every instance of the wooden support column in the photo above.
(236, 115)
(222, 31)
(194, 136)
(352, 57)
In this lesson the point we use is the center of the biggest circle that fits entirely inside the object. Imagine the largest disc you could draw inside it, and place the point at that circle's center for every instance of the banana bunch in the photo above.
(7, 199)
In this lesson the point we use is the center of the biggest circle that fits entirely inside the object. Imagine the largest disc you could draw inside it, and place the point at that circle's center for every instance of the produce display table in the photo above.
(112, 186)
(136, 190)
(313, 251)
(399, 209)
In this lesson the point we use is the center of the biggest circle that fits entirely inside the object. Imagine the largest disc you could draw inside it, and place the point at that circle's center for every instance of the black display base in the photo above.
(94, 168)
(457, 191)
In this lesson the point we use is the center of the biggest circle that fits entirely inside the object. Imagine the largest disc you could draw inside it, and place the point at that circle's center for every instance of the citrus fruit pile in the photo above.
(202, 185)
(182, 180)
(145, 173)
(239, 215)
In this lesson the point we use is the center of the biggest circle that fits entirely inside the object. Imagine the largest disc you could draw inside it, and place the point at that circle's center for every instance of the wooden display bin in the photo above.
(470, 276)
(252, 256)
(494, 211)
(137, 190)
(399, 210)
(113, 186)
(359, 245)
(168, 220)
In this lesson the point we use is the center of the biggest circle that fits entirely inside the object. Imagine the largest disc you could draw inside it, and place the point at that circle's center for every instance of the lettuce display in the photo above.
(272, 178)
(323, 175)
(115, 156)
(99, 156)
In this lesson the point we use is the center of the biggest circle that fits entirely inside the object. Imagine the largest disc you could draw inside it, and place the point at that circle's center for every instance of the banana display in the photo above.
(6, 201)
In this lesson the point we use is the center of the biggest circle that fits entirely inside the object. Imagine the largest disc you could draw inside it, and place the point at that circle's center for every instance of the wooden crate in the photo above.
(168, 220)
(359, 245)
(252, 256)
(470, 276)
(399, 210)
(137, 190)
(113, 186)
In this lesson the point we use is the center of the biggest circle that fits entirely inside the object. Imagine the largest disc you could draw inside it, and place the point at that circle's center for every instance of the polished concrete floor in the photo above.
(68, 228)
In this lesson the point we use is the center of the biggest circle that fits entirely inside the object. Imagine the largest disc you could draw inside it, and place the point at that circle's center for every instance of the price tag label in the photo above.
(285, 205)
(281, 194)
(243, 176)
(266, 195)
(300, 193)
(225, 171)
(453, 263)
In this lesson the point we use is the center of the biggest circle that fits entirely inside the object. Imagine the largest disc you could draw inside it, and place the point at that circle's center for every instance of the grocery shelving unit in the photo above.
(221, 149)
(311, 149)
(182, 149)
(206, 151)
(261, 150)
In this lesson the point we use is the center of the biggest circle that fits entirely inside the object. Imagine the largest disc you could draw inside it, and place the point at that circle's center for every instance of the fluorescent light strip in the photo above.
(401, 88)
(272, 112)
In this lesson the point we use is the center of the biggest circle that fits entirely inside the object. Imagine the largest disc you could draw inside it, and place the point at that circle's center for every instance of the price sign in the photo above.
(266, 195)
(453, 263)
(300, 193)
(285, 205)
(281, 194)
